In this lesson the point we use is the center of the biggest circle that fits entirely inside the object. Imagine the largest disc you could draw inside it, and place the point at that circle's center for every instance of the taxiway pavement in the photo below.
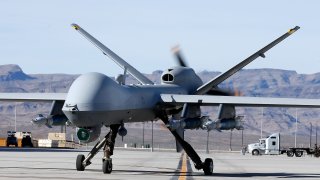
(60, 164)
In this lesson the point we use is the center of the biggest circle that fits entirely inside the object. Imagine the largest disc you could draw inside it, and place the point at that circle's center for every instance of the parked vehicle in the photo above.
(12, 139)
(271, 146)
(26, 141)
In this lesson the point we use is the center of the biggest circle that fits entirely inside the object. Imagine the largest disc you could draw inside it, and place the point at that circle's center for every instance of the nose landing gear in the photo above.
(108, 145)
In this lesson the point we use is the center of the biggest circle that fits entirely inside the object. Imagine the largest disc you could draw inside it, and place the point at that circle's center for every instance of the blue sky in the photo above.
(213, 35)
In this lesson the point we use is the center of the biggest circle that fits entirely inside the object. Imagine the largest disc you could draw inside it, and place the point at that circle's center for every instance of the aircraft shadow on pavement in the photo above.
(187, 174)
(234, 175)
(140, 172)
(37, 168)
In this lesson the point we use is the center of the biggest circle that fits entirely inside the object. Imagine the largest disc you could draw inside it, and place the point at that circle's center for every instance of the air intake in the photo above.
(167, 77)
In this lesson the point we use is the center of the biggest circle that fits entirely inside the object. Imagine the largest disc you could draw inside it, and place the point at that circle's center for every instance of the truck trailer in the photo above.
(271, 146)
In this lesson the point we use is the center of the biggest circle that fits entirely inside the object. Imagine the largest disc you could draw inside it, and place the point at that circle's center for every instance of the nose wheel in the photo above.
(108, 145)
(79, 162)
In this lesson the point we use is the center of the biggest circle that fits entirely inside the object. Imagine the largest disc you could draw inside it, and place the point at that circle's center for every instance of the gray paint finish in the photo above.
(95, 99)
(240, 101)
(23, 97)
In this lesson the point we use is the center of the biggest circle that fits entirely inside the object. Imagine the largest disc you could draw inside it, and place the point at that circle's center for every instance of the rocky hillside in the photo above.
(252, 82)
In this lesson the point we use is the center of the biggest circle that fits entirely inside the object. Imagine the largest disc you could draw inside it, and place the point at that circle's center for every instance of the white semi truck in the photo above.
(271, 146)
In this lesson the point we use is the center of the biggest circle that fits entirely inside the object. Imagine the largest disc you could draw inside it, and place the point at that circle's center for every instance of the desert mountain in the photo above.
(251, 82)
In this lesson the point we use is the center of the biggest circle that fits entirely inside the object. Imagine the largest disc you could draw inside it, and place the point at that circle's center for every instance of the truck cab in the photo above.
(269, 145)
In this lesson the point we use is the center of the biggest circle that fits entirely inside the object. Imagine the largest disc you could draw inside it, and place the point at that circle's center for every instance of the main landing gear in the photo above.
(108, 145)
(206, 166)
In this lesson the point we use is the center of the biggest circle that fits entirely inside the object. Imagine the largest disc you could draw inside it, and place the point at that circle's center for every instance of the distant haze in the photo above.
(253, 82)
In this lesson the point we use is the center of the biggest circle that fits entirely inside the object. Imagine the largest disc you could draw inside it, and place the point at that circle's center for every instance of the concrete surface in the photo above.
(60, 164)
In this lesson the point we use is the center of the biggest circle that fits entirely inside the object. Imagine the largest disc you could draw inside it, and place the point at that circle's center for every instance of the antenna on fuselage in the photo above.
(121, 78)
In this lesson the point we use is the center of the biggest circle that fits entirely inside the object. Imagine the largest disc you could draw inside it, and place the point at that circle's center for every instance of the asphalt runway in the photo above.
(60, 164)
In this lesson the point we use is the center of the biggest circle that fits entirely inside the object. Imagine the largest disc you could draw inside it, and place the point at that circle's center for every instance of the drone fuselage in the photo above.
(94, 99)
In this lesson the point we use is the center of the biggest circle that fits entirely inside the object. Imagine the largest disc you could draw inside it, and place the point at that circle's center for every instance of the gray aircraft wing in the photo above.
(113, 56)
(219, 79)
(32, 97)
(205, 100)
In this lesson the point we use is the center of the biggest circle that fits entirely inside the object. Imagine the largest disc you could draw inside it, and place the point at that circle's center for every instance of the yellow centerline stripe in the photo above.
(183, 171)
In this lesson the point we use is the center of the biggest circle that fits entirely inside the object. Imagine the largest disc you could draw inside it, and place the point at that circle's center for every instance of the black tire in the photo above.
(23, 142)
(290, 153)
(255, 152)
(79, 165)
(107, 166)
(208, 166)
(298, 153)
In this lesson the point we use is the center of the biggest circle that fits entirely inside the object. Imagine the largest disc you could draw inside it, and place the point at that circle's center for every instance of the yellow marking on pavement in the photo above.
(183, 171)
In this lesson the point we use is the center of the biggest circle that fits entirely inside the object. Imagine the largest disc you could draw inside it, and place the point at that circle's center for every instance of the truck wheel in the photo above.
(299, 153)
(255, 152)
(290, 153)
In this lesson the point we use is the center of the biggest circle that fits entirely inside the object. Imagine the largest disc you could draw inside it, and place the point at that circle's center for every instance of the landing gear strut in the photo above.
(206, 166)
(108, 145)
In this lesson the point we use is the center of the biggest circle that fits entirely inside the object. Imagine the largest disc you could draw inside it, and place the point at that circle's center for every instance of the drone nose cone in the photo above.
(90, 90)
(88, 93)
(85, 89)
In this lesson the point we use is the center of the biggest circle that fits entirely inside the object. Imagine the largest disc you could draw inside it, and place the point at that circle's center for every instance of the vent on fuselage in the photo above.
(167, 77)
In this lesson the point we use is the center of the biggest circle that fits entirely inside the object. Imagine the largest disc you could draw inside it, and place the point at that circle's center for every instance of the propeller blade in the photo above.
(180, 60)
(224, 92)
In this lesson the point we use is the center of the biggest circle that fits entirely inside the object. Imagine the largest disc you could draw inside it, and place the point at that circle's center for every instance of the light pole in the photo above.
(230, 148)
(242, 138)
(15, 117)
(143, 135)
(310, 135)
(151, 136)
(295, 134)
(317, 135)
(207, 150)
(261, 123)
